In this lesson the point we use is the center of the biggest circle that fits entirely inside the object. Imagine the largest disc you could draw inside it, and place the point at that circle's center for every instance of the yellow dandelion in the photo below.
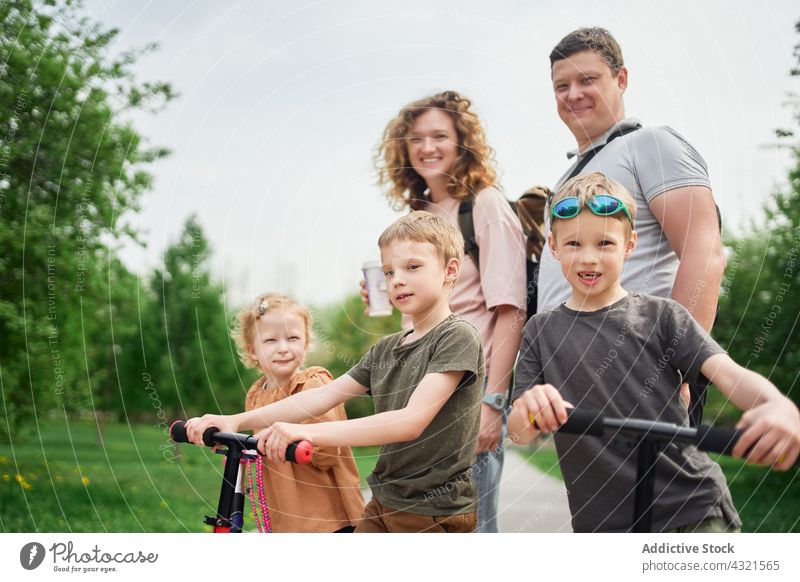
(21, 480)
(84, 479)
(164, 504)
(6, 477)
(3, 460)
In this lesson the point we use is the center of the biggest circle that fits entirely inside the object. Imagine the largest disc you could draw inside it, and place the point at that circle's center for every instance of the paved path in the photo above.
(531, 501)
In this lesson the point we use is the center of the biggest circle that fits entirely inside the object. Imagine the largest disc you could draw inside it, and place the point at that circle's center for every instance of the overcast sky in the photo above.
(282, 103)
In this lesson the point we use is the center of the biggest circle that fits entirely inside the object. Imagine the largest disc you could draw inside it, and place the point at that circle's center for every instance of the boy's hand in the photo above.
(491, 429)
(772, 429)
(195, 427)
(544, 407)
(273, 441)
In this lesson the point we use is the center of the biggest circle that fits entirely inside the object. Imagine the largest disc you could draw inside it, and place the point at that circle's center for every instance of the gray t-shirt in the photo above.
(648, 162)
(429, 475)
(623, 360)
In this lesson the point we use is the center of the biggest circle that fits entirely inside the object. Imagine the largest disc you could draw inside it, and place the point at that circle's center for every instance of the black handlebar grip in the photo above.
(717, 439)
(177, 432)
(581, 421)
(207, 434)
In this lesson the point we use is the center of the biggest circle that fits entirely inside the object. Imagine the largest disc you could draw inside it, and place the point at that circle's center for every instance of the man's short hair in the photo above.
(597, 40)
(422, 226)
(587, 185)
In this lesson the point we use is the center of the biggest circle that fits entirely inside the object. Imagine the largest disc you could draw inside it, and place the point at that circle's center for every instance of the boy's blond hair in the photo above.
(588, 185)
(422, 226)
(244, 329)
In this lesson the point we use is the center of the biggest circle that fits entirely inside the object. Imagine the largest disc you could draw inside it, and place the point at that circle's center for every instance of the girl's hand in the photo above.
(544, 407)
(273, 441)
(771, 434)
(364, 295)
(195, 427)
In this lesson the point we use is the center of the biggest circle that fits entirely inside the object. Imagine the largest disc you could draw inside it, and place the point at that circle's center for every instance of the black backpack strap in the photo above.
(467, 226)
(588, 156)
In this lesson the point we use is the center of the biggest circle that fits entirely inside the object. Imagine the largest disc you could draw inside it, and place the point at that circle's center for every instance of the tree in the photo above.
(194, 361)
(72, 170)
(759, 320)
(344, 333)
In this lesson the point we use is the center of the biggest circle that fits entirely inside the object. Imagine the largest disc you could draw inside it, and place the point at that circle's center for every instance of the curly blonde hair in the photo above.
(474, 166)
(243, 332)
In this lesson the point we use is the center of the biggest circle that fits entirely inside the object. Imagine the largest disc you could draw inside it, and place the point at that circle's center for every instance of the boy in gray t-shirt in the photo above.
(620, 353)
(427, 385)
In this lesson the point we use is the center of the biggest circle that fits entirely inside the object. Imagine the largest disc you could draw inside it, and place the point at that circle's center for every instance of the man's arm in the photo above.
(296, 408)
(771, 421)
(688, 217)
(394, 426)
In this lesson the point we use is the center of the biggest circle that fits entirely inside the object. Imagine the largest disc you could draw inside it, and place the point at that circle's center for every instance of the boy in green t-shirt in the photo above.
(426, 383)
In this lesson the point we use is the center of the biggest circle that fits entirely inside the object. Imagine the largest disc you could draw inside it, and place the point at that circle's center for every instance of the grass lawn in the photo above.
(767, 501)
(62, 481)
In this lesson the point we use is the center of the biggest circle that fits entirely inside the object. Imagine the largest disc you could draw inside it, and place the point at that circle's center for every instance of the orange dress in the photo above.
(324, 495)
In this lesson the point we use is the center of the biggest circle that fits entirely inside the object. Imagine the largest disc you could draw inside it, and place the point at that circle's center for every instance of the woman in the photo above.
(434, 155)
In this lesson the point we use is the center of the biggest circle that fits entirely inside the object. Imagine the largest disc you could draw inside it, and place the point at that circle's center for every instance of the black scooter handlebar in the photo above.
(297, 452)
(713, 439)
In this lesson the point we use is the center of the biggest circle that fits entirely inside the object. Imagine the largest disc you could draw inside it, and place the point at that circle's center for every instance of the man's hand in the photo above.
(491, 430)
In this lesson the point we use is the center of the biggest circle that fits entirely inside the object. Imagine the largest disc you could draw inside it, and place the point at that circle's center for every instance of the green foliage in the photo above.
(188, 347)
(71, 172)
(343, 334)
(759, 320)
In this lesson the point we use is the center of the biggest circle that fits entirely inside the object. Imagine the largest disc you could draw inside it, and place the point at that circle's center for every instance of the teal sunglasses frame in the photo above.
(592, 203)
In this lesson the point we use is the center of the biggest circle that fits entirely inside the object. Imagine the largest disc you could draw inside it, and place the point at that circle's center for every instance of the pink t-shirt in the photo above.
(501, 280)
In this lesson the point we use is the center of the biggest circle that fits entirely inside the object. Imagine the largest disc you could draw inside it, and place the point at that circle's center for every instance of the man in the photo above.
(679, 252)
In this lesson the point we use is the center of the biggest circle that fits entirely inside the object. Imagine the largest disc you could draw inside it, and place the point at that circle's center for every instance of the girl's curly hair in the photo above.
(474, 166)
(244, 328)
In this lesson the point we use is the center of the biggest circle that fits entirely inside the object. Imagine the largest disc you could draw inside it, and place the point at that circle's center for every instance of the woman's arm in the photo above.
(505, 346)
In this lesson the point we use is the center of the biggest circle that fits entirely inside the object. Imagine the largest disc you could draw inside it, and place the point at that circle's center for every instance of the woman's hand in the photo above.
(491, 429)
(364, 295)
(195, 427)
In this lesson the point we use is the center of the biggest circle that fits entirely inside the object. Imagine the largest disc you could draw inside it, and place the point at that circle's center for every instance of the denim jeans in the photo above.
(486, 472)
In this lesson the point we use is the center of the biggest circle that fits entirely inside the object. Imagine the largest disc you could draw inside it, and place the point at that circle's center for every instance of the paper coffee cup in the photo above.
(379, 304)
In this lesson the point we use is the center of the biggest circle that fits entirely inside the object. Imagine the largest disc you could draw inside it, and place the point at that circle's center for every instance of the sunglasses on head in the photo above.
(600, 204)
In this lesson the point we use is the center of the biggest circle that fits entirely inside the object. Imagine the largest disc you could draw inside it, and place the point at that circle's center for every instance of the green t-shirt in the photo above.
(431, 474)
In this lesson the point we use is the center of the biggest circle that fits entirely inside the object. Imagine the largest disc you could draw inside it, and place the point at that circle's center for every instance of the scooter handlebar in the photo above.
(299, 452)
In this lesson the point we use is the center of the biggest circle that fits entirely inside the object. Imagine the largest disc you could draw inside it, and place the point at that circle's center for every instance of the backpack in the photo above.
(529, 209)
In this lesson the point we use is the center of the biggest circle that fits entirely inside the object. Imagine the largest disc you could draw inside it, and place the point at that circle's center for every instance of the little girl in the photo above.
(323, 496)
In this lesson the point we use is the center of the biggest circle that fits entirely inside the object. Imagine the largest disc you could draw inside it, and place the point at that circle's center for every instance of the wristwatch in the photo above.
(495, 401)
